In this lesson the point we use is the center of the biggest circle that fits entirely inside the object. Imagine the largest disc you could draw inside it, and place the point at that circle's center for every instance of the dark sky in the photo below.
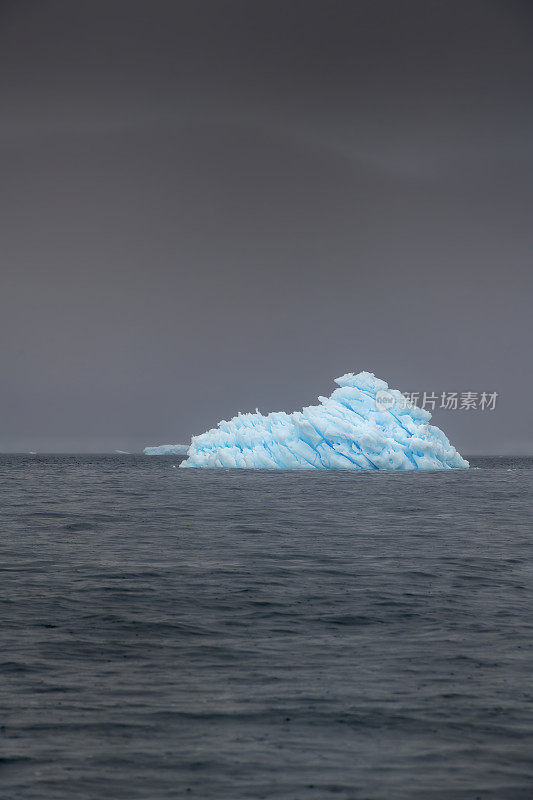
(209, 207)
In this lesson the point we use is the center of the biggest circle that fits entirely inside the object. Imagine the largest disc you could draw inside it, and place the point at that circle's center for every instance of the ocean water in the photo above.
(173, 633)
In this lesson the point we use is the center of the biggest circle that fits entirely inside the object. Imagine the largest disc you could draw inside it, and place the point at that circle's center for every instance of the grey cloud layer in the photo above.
(210, 207)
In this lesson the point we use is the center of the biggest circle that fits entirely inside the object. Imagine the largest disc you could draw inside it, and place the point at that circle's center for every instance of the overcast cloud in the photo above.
(209, 207)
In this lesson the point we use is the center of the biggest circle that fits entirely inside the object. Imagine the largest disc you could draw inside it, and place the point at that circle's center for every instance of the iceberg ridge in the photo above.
(362, 425)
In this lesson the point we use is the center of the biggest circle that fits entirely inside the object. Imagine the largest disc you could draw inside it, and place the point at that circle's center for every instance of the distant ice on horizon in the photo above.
(362, 425)
(166, 450)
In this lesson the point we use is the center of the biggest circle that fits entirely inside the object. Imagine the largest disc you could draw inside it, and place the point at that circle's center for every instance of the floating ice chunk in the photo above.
(362, 425)
(166, 450)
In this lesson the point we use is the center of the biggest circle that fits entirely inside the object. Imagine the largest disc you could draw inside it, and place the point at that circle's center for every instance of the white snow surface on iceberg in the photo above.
(166, 450)
(351, 429)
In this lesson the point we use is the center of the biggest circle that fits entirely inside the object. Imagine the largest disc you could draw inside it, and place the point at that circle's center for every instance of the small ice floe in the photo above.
(166, 450)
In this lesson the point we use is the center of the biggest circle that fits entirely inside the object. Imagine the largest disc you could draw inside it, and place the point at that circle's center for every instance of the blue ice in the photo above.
(362, 425)
(166, 450)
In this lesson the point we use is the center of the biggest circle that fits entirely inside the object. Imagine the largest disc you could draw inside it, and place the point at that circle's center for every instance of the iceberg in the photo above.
(166, 450)
(362, 425)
